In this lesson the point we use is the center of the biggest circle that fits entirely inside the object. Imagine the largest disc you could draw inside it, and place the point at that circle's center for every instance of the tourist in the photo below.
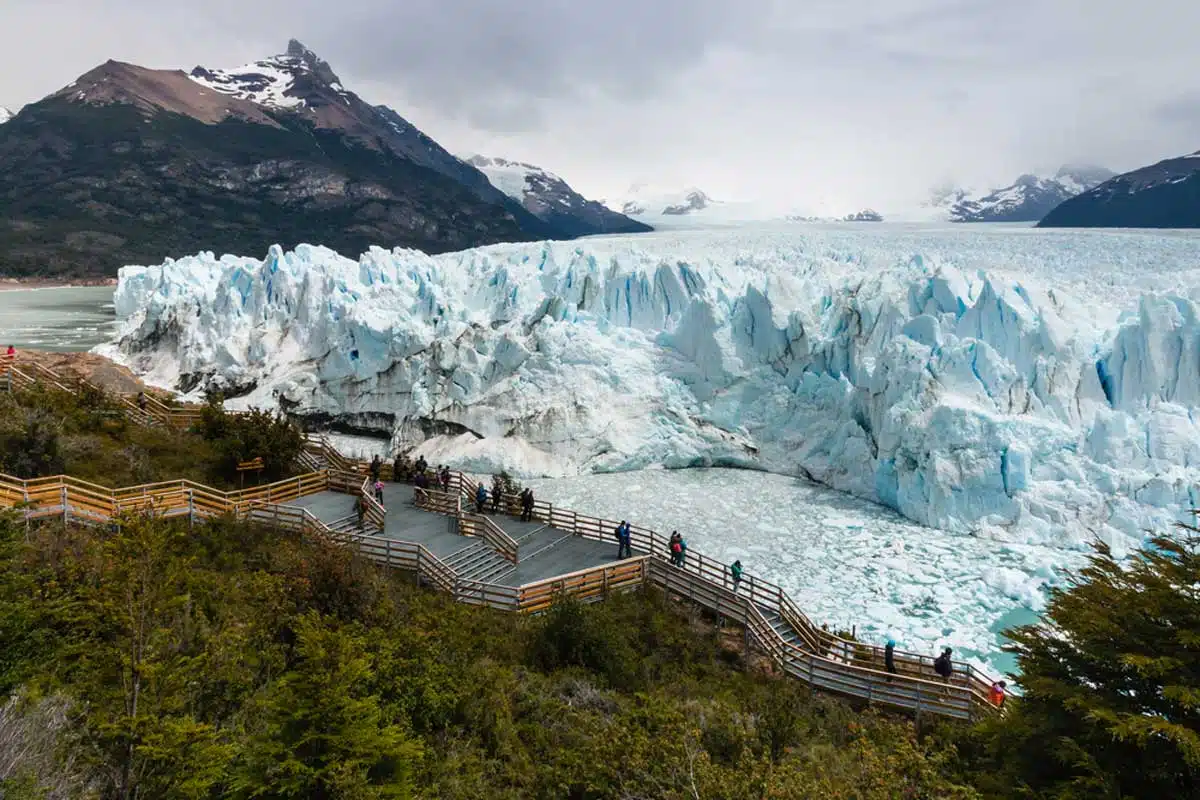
(376, 467)
(527, 505)
(141, 400)
(682, 550)
(399, 468)
(360, 509)
(997, 694)
(10, 355)
(889, 656)
(624, 541)
(675, 546)
(444, 477)
(496, 497)
(421, 465)
(943, 666)
(481, 497)
(736, 572)
(379, 491)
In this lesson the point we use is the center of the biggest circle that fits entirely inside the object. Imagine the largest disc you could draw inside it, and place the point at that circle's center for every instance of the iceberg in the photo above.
(1013, 385)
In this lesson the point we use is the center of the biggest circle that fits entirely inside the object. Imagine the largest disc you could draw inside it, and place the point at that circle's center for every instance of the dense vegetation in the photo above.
(154, 660)
(49, 432)
(1112, 685)
(235, 661)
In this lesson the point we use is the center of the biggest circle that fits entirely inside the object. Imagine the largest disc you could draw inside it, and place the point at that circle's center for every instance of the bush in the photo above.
(30, 446)
(257, 434)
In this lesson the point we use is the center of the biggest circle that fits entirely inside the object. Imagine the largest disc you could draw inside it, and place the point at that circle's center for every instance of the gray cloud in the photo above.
(853, 103)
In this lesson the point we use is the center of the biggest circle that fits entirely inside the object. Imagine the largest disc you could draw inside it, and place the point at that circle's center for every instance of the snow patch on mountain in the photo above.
(1018, 385)
(1028, 199)
(514, 178)
(5, 115)
(272, 81)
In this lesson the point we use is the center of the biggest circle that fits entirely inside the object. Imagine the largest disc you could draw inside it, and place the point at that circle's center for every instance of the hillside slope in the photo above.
(130, 165)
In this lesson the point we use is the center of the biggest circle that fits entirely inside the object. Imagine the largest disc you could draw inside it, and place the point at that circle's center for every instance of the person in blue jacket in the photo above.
(624, 541)
(480, 498)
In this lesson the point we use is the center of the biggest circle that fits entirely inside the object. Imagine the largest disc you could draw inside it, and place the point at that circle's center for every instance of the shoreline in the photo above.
(19, 284)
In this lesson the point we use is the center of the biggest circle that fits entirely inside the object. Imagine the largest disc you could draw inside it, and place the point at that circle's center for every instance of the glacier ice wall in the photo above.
(965, 398)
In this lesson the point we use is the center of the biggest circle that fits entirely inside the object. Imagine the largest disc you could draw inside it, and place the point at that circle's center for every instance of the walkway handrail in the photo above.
(584, 584)
(482, 526)
(817, 669)
(24, 372)
(765, 592)
(49, 491)
(375, 511)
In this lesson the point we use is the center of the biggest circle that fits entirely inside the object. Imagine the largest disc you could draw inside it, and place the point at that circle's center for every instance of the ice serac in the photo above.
(967, 399)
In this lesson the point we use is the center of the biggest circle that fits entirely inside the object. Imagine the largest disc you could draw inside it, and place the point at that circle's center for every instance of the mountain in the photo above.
(1027, 199)
(550, 199)
(866, 215)
(129, 165)
(646, 201)
(1162, 195)
(5, 115)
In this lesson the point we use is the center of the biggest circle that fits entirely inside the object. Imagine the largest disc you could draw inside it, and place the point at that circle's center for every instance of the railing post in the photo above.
(191, 508)
(66, 513)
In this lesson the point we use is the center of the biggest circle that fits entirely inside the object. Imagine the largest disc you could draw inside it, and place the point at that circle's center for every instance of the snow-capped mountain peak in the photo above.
(273, 82)
(1027, 199)
(550, 198)
(5, 115)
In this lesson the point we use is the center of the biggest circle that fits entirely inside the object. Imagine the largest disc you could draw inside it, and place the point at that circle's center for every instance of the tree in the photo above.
(30, 448)
(1112, 682)
(324, 735)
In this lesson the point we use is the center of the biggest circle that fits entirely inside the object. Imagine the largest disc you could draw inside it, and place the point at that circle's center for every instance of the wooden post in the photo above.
(66, 514)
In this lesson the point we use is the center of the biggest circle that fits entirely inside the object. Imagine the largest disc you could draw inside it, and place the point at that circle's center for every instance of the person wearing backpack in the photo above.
(735, 571)
(675, 547)
(624, 548)
(943, 666)
(889, 656)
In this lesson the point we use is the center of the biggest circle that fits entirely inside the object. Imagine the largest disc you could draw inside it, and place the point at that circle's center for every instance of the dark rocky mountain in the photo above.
(1162, 195)
(1030, 197)
(552, 200)
(130, 165)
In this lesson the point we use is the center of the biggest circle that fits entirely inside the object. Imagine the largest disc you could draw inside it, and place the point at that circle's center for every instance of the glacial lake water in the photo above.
(67, 319)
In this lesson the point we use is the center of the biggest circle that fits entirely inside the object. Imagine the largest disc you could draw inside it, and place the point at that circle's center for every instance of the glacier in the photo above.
(1012, 384)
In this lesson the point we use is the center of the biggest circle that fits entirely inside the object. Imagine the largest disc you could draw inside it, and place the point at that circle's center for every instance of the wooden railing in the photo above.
(493, 534)
(375, 512)
(588, 584)
(919, 693)
(20, 372)
(74, 499)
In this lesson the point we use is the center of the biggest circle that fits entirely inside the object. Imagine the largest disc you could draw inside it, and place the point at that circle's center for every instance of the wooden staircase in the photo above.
(478, 561)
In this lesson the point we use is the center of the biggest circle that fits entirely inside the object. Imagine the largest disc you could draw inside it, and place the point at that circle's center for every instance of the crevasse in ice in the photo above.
(983, 383)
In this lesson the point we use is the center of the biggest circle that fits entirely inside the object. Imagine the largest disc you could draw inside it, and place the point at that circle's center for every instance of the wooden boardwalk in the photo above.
(543, 551)
(500, 561)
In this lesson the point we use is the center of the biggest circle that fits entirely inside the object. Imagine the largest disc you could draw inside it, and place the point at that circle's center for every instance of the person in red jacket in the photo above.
(997, 693)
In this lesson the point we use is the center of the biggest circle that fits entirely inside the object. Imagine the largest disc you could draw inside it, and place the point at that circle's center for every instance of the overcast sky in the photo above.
(852, 102)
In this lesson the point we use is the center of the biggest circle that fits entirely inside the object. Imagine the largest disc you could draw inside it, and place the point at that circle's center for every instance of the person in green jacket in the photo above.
(736, 572)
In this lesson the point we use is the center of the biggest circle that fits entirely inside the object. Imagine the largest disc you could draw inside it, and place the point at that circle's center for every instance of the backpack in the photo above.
(676, 548)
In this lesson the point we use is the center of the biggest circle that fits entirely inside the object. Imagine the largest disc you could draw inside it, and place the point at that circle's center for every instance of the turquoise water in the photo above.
(63, 319)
